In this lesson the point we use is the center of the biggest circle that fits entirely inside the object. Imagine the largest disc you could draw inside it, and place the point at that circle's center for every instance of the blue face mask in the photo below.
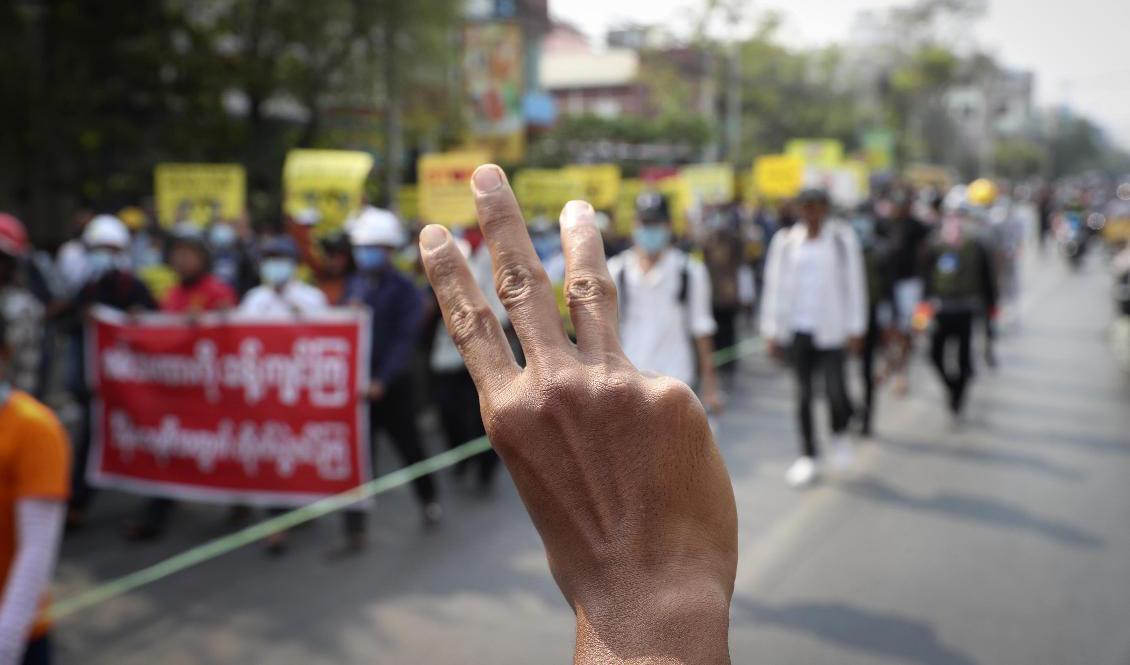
(370, 259)
(222, 236)
(276, 271)
(99, 262)
(652, 239)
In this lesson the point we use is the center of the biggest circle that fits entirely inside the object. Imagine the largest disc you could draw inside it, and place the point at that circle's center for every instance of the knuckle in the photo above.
(468, 322)
(589, 289)
(669, 394)
(497, 211)
(517, 283)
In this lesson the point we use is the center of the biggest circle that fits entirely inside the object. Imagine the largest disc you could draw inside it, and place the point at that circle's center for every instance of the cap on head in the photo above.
(374, 226)
(813, 195)
(106, 231)
(187, 233)
(338, 241)
(281, 246)
(13, 236)
(652, 208)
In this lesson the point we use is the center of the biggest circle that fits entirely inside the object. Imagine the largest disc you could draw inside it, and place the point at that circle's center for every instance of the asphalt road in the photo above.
(1003, 541)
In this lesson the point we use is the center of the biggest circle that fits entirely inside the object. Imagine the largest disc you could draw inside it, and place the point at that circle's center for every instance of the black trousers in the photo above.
(459, 415)
(871, 343)
(953, 328)
(807, 359)
(38, 652)
(726, 335)
(396, 416)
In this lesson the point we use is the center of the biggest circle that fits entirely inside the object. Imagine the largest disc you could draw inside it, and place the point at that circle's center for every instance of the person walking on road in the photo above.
(908, 236)
(396, 308)
(959, 284)
(34, 465)
(281, 295)
(665, 303)
(816, 305)
(198, 290)
(110, 283)
(19, 306)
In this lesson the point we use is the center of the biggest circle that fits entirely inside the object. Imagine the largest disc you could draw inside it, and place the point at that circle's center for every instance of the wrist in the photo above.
(688, 623)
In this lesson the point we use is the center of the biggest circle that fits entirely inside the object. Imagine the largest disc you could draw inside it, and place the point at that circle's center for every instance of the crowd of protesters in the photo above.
(818, 282)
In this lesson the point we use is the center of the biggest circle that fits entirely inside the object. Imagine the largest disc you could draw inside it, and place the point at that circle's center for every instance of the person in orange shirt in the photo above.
(34, 483)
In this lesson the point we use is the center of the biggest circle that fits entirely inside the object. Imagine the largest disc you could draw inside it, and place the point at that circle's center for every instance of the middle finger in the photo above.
(521, 281)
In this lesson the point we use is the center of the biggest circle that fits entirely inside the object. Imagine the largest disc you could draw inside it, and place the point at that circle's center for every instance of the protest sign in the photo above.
(778, 176)
(444, 192)
(818, 153)
(229, 409)
(542, 193)
(199, 193)
(324, 187)
(601, 183)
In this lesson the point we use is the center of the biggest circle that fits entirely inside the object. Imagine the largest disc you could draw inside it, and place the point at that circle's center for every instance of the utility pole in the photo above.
(734, 104)
(394, 136)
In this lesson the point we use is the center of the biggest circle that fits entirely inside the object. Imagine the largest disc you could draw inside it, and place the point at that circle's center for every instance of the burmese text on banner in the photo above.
(229, 408)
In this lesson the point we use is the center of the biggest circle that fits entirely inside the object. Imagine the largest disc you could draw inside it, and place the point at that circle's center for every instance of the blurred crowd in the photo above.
(818, 281)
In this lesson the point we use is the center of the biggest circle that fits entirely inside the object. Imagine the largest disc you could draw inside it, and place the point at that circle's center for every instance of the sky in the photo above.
(1077, 49)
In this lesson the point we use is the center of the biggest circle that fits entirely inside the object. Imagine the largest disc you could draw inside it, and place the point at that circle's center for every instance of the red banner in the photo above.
(229, 408)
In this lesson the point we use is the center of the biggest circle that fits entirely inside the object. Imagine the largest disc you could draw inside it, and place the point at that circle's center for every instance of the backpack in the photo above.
(955, 272)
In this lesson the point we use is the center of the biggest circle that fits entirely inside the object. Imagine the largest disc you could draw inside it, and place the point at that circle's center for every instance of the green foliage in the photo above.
(1019, 158)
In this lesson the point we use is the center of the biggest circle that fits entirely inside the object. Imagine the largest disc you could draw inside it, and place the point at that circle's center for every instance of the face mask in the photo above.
(276, 271)
(221, 236)
(370, 259)
(99, 262)
(652, 239)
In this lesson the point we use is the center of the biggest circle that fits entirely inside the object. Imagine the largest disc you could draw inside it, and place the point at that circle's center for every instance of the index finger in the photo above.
(523, 287)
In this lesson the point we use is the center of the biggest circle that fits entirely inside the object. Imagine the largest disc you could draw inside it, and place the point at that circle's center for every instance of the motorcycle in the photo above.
(1072, 234)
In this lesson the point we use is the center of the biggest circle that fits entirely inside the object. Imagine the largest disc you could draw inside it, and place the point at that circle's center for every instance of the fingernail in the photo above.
(487, 178)
(432, 236)
(577, 213)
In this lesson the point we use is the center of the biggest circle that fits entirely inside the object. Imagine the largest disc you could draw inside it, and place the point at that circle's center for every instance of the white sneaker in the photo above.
(802, 473)
(841, 454)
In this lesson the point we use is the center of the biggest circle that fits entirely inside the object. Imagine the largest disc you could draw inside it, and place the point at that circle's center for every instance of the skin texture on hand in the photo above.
(618, 470)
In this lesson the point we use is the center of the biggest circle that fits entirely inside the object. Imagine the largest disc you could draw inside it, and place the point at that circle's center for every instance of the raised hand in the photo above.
(618, 470)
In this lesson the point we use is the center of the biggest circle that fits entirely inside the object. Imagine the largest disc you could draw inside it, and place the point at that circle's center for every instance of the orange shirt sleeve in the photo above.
(42, 469)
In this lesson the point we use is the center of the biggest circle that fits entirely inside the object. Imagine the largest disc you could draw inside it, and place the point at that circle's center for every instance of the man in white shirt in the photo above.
(665, 305)
(815, 301)
(280, 294)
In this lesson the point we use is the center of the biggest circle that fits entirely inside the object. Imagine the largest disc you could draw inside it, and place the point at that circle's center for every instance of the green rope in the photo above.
(224, 544)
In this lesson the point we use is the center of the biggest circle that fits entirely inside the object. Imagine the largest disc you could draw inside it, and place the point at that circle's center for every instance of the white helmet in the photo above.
(106, 231)
(374, 226)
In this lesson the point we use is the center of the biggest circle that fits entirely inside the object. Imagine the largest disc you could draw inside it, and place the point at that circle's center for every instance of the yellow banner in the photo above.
(408, 202)
(544, 192)
(708, 184)
(778, 176)
(199, 193)
(325, 185)
(630, 188)
(601, 183)
(819, 153)
(445, 187)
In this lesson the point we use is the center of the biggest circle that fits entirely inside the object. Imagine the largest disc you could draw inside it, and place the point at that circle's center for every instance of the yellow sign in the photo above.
(625, 213)
(544, 192)
(678, 199)
(500, 149)
(445, 187)
(199, 193)
(819, 153)
(708, 184)
(778, 176)
(324, 186)
(601, 183)
(928, 175)
(408, 202)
